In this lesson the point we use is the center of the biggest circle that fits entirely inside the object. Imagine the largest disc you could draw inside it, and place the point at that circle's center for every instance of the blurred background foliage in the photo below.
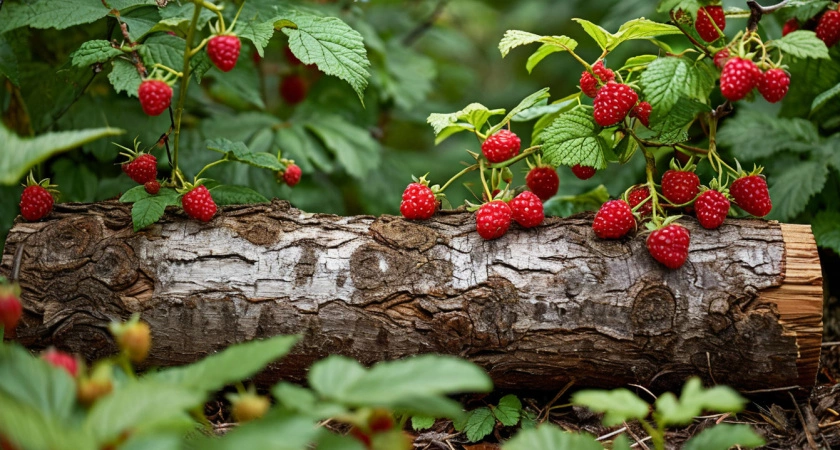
(426, 56)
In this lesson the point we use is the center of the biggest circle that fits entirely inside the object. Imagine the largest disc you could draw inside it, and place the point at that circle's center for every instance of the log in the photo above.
(536, 309)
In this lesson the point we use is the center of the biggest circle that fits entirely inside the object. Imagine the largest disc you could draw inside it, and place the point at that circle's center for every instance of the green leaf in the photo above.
(694, 400)
(96, 51)
(564, 206)
(30, 428)
(303, 401)
(621, 442)
(141, 21)
(235, 363)
(791, 189)
(408, 76)
(239, 152)
(236, 195)
(801, 44)
(33, 382)
(515, 38)
(640, 29)
(508, 410)
(298, 144)
(200, 63)
(725, 436)
(475, 115)
(334, 375)
(21, 154)
(149, 210)
(8, 61)
(802, 10)
(822, 99)
(638, 61)
(551, 44)
(550, 437)
(618, 405)
(688, 6)
(540, 110)
(275, 431)
(664, 82)
(826, 228)
(50, 14)
(601, 36)
(177, 17)
(332, 441)
(124, 77)
(753, 134)
(330, 44)
(420, 423)
(352, 146)
(139, 193)
(526, 103)
(163, 49)
(480, 423)
(574, 138)
(670, 126)
(259, 33)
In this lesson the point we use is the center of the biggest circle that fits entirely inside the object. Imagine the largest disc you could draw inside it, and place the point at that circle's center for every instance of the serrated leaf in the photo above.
(50, 14)
(563, 105)
(515, 38)
(725, 436)
(475, 115)
(352, 146)
(259, 33)
(139, 192)
(96, 51)
(480, 423)
(638, 61)
(694, 400)
(28, 427)
(330, 44)
(200, 63)
(239, 152)
(177, 16)
(141, 21)
(618, 405)
(507, 412)
(236, 195)
(298, 144)
(33, 382)
(822, 99)
(550, 437)
(420, 423)
(147, 211)
(574, 138)
(163, 49)
(334, 375)
(600, 35)
(124, 77)
(826, 228)
(551, 44)
(564, 206)
(801, 44)
(19, 154)
(526, 103)
(670, 126)
(540, 110)
(753, 134)
(802, 10)
(664, 82)
(640, 29)
(791, 189)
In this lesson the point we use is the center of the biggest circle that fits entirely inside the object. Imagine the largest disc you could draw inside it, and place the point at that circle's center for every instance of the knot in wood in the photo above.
(654, 309)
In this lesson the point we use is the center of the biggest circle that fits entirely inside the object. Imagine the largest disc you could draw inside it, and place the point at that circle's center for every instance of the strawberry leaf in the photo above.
(480, 423)
(420, 423)
(508, 410)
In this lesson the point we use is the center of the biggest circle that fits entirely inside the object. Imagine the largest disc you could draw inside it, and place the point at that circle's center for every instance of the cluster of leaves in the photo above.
(480, 422)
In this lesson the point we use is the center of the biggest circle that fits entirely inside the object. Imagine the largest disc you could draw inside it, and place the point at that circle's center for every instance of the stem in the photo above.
(525, 153)
(458, 175)
(650, 168)
(216, 10)
(126, 366)
(185, 81)
(656, 436)
(168, 69)
(687, 35)
(484, 182)
(214, 163)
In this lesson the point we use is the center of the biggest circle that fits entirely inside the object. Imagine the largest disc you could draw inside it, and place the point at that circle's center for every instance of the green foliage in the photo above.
(618, 405)
(724, 437)
(549, 437)
(480, 422)
(575, 138)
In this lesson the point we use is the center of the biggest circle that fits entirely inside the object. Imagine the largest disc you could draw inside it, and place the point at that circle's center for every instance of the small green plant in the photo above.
(480, 422)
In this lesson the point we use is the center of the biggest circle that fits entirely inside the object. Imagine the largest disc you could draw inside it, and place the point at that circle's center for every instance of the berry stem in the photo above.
(688, 35)
(487, 191)
(125, 365)
(525, 153)
(199, 47)
(458, 175)
(650, 169)
(168, 69)
(218, 12)
(185, 81)
(214, 163)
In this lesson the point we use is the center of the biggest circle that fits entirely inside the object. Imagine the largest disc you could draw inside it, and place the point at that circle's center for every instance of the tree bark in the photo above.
(536, 308)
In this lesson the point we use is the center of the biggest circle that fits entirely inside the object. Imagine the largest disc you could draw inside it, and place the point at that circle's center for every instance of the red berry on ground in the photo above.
(223, 50)
(198, 204)
(669, 245)
(152, 187)
(493, 219)
(738, 78)
(583, 172)
(828, 28)
(543, 181)
(141, 169)
(613, 102)
(721, 57)
(711, 208)
(418, 202)
(291, 175)
(614, 220)
(790, 26)
(61, 360)
(155, 96)
(704, 25)
(35, 203)
(527, 209)
(290, 56)
(10, 310)
(638, 195)
(751, 194)
(501, 146)
(679, 186)
(773, 85)
(642, 112)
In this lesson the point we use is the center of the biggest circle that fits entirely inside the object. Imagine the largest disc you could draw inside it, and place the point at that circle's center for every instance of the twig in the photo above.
(547, 408)
(764, 391)
(757, 11)
(811, 442)
(689, 36)
(830, 344)
(418, 31)
(644, 389)
(640, 442)
(609, 435)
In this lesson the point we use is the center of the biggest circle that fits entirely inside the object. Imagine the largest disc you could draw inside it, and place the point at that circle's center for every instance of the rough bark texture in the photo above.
(536, 308)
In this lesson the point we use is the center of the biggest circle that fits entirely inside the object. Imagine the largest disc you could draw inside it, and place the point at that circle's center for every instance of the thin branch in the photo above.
(757, 12)
(97, 68)
(688, 35)
(418, 31)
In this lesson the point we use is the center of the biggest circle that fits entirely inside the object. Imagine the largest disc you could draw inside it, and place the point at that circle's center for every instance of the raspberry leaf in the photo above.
(688, 6)
(475, 115)
(138, 193)
(238, 151)
(95, 51)
(140, 21)
(58, 15)
(236, 195)
(823, 99)
(759, 135)
(640, 29)
(793, 187)
(725, 435)
(411, 75)
(149, 210)
(802, 10)
(549, 112)
(163, 49)
(573, 138)
(352, 146)
(549, 436)
(177, 16)
(826, 228)
(8, 61)
(257, 32)
(600, 35)
(526, 103)
(670, 126)
(124, 77)
(479, 424)
(618, 405)
(801, 44)
(551, 44)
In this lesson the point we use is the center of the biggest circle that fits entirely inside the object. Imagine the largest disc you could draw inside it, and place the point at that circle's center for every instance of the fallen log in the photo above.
(536, 309)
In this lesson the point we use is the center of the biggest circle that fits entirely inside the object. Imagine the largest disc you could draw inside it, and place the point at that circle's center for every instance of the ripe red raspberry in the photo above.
(543, 181)
(61, 360)
(790, 26)
(721, 57)
(704, 26)
(223, 50)
(589, 82)
(828, 29)
(527, 209)
(642, 112)
(380, 420)
(152, 187)
(606, 75)
(155, 96)
(141, 169)
(711, 207)
(10, 310)
(418, 202)
(669, 245)
(679, 186)
(198, 204)
(773, 85)
(738, 78)
(290, 57)
(35, 203)
(751, 194)
(613, 102)
(501, 146)
(293, 89)
(638, 195)
(583, 172)
(614, 220)
(292, 175)
(493, 219)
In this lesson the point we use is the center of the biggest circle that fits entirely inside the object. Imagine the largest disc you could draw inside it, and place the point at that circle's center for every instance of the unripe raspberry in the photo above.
(223, 50)
(155, 96)
(61, 360)
(134, 338)
(91, 388)
(501, 146)
(613, 102)
(247, 407)
(380, 420)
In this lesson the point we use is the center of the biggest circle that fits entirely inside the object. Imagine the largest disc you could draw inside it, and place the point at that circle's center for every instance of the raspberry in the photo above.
(711, 207)
(501, 146)
(669, 245)
(614, 220)
(248, 406)
(613, 102)
(606, 75)
(198, 204)
(589, 82)
(290, 56)
(721, 57)
(773, 85)
(638, 195)
(679, 186)
(642, 112)
(141, 169)
(527, 209)
(152, 187)
(291, 175)
(61, 360)
(223, 50)
(790, 26)
(704, 26)
(751, 194)
(35, 203)
(10, 310)
(418, 202)
(583, 172)
(738, 78)
(828, 29)
(493, 219)
(543, 181)
(155, 96)
(293, 89)
(380, 420)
